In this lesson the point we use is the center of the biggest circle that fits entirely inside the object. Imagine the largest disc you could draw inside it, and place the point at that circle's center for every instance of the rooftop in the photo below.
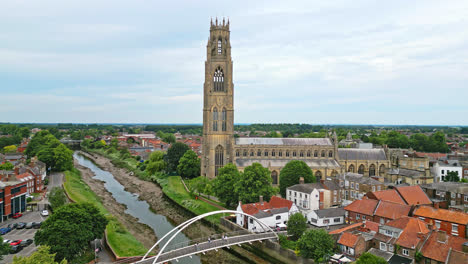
(348, 239)
(361, 154)
(305, 187)
(442, 214)
(284, 141)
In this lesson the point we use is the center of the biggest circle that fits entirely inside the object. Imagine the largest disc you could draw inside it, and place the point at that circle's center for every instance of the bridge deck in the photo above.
(207, 246)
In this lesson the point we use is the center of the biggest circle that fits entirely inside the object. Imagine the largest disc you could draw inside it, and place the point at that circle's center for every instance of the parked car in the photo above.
(4, 230)
(21, 225)
(17, 215)
(26, 242)
(8, 241)
(13, 226)
(15, 249)
(45, 213)
(36, 224)
(29, 225)
(15, 243)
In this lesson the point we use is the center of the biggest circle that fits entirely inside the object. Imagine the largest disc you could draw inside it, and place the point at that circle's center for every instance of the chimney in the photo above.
(301, 180)
(436, 205)
(441, 236)
(260, 199)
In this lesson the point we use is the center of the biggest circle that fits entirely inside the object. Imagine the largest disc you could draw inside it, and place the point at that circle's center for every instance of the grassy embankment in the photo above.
(121, 241)
(171, 185)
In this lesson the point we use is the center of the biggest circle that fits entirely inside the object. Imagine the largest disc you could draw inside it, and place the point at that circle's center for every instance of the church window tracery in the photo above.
(259, 153)
(316, 153)
(323, 153)
(280, 153)
(273, 153)
(330, 154)
(215, 119)
(237, 153)
(219, 158)
(301, 154)
(223, 118)
(218, 80)
(245, 153)
(220, 46)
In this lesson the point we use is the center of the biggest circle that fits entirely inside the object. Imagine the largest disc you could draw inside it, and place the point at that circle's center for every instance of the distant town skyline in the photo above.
(314, 62)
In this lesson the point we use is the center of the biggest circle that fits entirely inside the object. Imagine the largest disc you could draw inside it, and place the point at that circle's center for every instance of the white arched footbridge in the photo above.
(215, 244)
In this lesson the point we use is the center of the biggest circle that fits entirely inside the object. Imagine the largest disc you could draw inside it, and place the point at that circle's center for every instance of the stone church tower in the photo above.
(218, 102)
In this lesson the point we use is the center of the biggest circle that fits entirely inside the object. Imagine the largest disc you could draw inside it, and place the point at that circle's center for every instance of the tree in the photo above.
(189, 165)
(24, 132)
(63, 158)
(291, 173)
(70, 229)
(4, 248)
(6, 166)
(57, 198)
(368, 258)
(452, 176)
(254, 182)
(315, 244)
(155, 163)
(297, 225)
(224, 184)
(174, 153)
(42, 255)
(9, 149)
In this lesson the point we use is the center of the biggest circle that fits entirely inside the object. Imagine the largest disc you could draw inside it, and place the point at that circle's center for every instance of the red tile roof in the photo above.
(275, 202)
(391, 210)
(372, 226)
(457, 257)
(346, 228)
(387, 195)
(413, 195)
(431, 155)
(439, 250)
(348, 239)
(442, 214)
(414, 231)
(364, 206)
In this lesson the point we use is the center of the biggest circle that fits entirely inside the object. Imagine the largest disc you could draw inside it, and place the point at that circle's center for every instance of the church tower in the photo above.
(218, 101)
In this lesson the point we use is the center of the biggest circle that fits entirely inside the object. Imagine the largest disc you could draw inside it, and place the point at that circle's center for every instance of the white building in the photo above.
(327, 217)
(442, 168)
(273, 213)
(308, 196)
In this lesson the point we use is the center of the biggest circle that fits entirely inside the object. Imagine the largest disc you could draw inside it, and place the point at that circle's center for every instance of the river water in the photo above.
(137, 208)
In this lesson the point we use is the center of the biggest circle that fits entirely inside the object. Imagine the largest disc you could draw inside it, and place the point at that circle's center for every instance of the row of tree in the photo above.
(420, 142)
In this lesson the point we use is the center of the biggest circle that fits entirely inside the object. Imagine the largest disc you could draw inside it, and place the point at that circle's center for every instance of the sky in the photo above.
(317, 62)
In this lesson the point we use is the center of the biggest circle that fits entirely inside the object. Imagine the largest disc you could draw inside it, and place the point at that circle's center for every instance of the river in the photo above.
(135, 207)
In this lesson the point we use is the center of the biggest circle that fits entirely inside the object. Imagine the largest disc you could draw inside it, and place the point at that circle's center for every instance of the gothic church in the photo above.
(220, 147)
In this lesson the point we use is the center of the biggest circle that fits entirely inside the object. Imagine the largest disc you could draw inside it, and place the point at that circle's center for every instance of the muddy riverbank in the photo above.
(154, 196)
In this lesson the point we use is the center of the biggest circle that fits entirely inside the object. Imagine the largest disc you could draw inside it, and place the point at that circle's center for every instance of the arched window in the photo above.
(361, 169)
(237, 153)
(220, 46)
(316, 153)
(245, 153)
(382, 170)
(280, 153)
(323, 153)
(259, 153)
(266, 153)
(372, 170)
(351, 168)
(308, 153)
(301, 154)
(294, 153)
(274, 177)
(287, 153)
(218, 80)
(251, 153)
(219, 158)
(223, 118)
(273, 153)
(215, 119)
(318, 175)
(330, 154)
(334, 173)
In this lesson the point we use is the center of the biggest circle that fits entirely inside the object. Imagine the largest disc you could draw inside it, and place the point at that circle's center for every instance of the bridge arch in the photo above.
(193, 220)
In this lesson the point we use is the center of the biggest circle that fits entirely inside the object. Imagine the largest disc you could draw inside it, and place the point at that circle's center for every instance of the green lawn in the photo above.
(173, 187)
(121, 241)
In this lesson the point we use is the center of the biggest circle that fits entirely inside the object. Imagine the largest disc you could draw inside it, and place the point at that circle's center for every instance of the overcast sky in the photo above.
(318, 62)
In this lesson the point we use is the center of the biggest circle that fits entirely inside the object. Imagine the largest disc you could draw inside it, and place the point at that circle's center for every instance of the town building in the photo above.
(309, 196)
(375, 210)
(354, 186)
(452, 222)
(441, 247)
(352, 245)
(326, 217)
(408, 195)
(12, 197)
(440, 169)
(274, 213)
(448, 194)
